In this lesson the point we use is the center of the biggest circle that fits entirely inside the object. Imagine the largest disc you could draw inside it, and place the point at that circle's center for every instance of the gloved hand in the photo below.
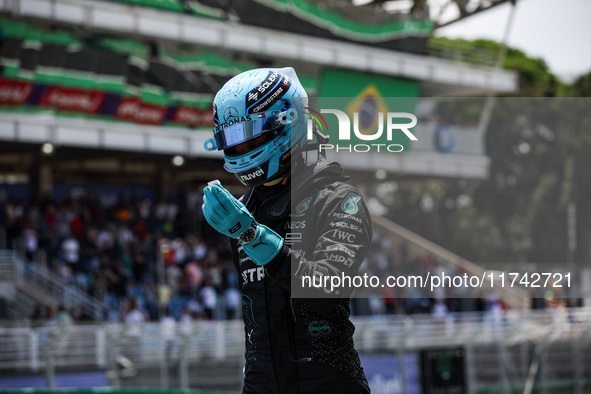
(265, 246)
(230, 217)
(224, 212)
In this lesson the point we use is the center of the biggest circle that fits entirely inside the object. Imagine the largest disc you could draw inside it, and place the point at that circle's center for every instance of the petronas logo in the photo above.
(349, 205)
(303, 206)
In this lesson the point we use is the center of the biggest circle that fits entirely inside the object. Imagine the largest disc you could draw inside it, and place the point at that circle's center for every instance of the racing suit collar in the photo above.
(303, 177)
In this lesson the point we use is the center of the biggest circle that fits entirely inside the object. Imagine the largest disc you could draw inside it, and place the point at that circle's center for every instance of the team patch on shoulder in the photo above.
(303, 206)
(349, 204)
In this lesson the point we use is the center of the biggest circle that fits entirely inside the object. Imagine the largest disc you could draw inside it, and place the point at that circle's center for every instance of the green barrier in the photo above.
(318, 15)
(204, 60)
(23, 30)
(312, 12)
(175, 6)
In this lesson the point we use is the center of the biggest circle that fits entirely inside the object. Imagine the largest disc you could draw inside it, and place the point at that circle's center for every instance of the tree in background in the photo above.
(539, 150)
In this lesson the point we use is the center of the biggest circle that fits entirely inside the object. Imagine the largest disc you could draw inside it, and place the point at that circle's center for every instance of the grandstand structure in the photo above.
(82, 75)
(113, 98)
(119, 93)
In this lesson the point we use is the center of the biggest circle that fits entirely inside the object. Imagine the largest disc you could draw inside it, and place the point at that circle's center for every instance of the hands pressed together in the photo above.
(230, 217)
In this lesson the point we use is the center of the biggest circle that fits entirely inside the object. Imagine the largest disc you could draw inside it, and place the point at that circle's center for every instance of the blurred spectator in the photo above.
(194, 276)
(83, 316)
(13, 212)
(168, 333)
(70, 251)
(108, 248)
(63, 318)
(186, 322)
(209, 298)
(133, 318)
(31, 239)
(439, 311)
(232, 301)
(195, 308)
(39, 313)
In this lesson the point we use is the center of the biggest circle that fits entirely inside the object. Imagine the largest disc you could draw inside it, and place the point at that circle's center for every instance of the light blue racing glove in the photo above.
(230, 217)
(265, 246)
(224, 212)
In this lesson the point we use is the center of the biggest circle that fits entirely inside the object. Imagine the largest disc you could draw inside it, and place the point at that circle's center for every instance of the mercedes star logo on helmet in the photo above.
(229, 113)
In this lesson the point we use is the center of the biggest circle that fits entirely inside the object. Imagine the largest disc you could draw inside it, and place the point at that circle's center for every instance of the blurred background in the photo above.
(110, 277)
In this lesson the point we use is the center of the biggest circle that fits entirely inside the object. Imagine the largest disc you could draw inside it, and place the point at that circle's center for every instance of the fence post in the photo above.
(164, 363)
(470, 368)
(34, 344)
(49, 366)
(400, 353)
(113, 354)
(502, 354)
(543, 361)
(577, 343)
(523, 356)
(582, 338)
(220, 348)
(401, 369)
(101, 347)
(18, 268)
(183, 370)
(499, 328)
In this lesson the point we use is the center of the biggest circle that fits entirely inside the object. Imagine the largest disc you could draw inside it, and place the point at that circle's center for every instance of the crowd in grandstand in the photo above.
(115, 253)
(165, 256)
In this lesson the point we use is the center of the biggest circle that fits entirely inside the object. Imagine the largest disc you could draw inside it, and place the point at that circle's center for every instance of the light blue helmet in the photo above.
(267, 106)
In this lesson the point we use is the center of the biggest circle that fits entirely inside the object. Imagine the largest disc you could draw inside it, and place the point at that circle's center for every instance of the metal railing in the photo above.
(67, 293)
(503, 351)
(8, 270)
(119, 349)
(36, 276)
(516, 298)
(462, 52)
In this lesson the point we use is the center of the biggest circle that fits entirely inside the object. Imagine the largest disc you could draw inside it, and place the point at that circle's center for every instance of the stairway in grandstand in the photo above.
(515, 298)
(27, 284)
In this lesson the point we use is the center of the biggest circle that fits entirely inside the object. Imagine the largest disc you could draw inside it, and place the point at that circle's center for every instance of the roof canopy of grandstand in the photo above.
(315, 33)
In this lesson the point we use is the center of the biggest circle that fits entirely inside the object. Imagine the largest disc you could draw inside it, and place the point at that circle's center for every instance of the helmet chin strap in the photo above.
(274, 182)
(315, 146)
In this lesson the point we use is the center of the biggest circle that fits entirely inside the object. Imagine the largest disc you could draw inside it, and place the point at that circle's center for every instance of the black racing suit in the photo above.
(303, 345)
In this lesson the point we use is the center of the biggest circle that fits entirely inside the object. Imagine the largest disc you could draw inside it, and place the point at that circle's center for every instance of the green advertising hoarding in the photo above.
(368, 100)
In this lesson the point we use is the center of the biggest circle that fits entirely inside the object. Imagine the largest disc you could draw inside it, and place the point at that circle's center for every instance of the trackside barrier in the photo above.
(502, 353)
(112, 391)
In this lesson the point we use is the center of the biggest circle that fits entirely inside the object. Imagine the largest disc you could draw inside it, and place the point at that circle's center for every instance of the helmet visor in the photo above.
(238, 130)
